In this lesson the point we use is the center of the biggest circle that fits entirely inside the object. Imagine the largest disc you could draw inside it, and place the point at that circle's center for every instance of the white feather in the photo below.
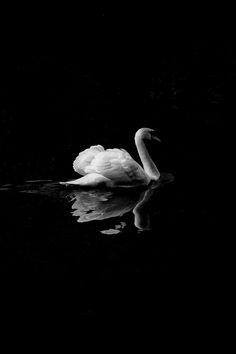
(114, 164)
(115, 167)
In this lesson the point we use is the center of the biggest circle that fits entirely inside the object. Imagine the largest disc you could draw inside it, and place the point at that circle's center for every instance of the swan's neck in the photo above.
(148, 164)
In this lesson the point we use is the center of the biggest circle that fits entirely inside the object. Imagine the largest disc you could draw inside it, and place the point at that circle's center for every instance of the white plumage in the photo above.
(115, 167)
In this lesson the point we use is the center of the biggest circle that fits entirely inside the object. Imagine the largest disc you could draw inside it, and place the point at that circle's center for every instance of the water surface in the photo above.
(53, 231)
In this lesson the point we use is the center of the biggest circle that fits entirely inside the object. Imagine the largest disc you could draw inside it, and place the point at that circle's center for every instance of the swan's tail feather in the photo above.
(90, 180)
(85, 157)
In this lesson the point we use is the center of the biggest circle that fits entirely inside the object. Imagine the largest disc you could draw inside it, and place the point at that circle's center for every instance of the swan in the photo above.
(115, 167)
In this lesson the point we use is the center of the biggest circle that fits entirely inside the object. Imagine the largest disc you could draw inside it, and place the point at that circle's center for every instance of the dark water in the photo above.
(52, 231)
(49, 231)
(53, 107)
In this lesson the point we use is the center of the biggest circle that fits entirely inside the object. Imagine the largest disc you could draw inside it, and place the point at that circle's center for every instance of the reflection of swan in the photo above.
(115, 167)
(94, 205)
(99, 204)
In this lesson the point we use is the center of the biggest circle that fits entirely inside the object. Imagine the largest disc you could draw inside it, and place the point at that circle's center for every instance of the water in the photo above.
(53, 231)
(54, 107)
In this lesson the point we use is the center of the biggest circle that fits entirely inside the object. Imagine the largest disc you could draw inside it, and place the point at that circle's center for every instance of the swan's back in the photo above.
(85, 158)
(114, 164)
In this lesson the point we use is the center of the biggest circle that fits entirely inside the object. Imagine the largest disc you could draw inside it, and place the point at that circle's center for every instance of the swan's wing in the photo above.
(117, 165)
(84, 159)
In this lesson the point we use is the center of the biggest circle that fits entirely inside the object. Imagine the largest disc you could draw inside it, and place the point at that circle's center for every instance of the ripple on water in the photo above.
(93, 205)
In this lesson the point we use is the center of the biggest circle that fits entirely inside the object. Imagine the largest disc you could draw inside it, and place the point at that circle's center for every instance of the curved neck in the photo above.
(148, 164)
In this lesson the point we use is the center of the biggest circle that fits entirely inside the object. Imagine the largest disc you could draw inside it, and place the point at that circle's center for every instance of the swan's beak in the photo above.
(156, 138)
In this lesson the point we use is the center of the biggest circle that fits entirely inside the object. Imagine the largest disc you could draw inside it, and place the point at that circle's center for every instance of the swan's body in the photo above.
(115, 167)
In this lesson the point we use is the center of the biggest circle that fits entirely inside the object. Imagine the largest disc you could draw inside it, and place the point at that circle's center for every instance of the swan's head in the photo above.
(146, 133)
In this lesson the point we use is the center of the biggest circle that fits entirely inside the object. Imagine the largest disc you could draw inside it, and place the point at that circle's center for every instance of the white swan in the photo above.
(115, 167)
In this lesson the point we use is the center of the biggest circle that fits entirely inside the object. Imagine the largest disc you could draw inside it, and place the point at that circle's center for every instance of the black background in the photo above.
(104, 74)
